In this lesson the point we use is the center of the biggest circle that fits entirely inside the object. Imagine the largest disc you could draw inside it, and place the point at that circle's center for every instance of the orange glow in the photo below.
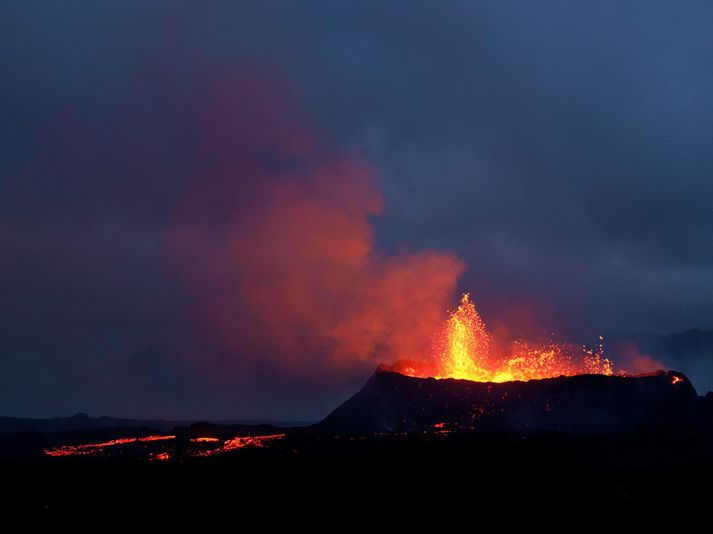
(676, 379)
(242, 442)
(89, 448)
(464, 351)
(156, 438)
(465, 345)
(93, 448)
(238, 442)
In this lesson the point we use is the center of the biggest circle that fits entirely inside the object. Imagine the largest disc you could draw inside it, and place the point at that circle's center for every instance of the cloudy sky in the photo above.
(236, 209)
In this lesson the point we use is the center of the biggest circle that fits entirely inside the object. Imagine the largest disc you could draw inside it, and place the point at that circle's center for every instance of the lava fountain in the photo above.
(522, 386)
(464, 350)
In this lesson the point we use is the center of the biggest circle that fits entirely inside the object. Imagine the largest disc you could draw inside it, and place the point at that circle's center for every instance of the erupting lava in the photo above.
(463, 350)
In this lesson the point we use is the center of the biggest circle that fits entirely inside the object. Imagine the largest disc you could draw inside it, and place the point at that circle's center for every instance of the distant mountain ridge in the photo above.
(82, 421)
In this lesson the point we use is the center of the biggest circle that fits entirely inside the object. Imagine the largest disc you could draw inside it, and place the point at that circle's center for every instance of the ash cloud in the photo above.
(289, 274)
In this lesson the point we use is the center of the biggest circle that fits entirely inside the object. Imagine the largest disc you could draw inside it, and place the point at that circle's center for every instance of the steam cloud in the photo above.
(279, 251)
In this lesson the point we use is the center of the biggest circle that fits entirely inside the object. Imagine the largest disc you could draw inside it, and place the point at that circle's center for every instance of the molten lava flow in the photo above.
(209, 446)
(463, 350)
(156, 438)
(242, 442)
(89, 448)
(94, 448)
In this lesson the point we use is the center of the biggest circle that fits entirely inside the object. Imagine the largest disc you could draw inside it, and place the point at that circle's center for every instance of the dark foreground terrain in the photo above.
(461, 482)
(404, 454)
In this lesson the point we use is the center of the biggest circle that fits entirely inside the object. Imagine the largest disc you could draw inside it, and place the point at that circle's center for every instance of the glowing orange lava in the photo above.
(214, 445)
(250, 441)
(93, 448)
(463, 351)
(676, 379)
(156, 438)
(242, 442)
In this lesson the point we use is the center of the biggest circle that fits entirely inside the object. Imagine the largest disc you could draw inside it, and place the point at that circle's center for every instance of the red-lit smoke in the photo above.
(274, 237)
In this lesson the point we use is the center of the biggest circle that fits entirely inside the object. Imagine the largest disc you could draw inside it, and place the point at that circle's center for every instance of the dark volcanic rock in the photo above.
(391, 402)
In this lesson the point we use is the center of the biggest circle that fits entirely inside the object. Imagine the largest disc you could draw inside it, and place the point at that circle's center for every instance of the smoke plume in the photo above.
(274, 238)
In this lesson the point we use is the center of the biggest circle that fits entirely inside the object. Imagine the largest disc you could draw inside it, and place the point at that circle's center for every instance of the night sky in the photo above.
(237, 210)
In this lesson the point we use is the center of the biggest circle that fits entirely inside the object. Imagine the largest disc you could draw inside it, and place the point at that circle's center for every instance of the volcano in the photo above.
(588, 403)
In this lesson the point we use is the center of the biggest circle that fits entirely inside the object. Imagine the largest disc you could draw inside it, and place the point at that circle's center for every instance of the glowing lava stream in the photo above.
(93, 448)
(242, 442)
(238, 442)
(463, 351)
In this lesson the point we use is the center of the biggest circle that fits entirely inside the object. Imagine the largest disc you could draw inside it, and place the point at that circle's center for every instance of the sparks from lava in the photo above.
(463, 351)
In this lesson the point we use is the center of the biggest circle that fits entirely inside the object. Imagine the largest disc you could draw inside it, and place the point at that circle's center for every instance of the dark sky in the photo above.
(561, 150)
